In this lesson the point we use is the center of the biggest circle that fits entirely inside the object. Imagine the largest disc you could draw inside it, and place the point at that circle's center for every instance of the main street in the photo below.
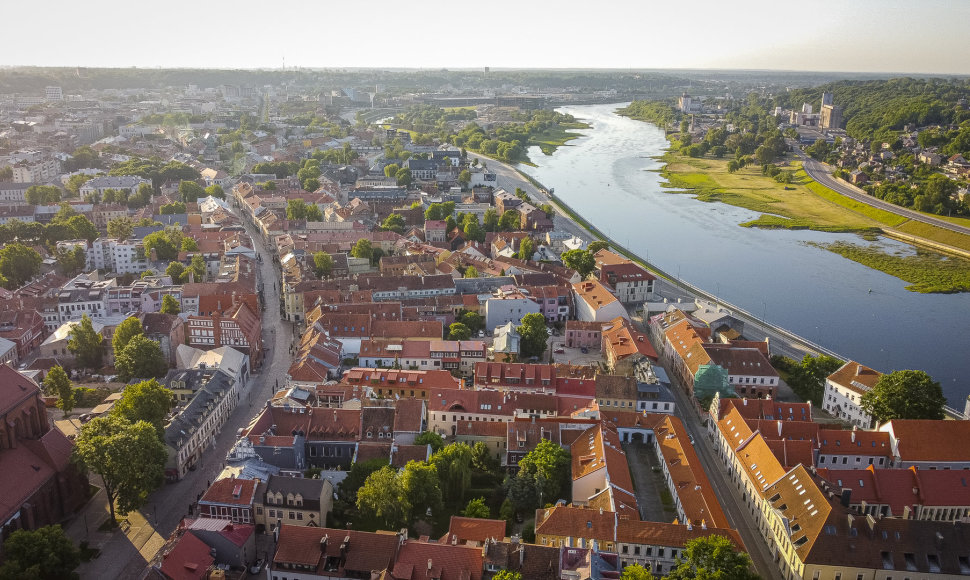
(126, 554)
(821, 173)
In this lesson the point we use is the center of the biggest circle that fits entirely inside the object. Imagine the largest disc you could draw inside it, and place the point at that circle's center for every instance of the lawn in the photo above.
(710, 180)
(549, 140)
(935, 233)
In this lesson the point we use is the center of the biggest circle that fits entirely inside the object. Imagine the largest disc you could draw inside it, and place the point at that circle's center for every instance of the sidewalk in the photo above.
(137, 542)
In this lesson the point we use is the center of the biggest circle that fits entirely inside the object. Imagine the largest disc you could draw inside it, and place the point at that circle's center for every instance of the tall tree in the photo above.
(165, 248)
(490, 220)
(510, 221)
(394, 223)
(70, 260)
(381, 496)
(142, 358)
(547, 468)
(191, 191)
(712, 558)
(580, 260)
(189, 245)
(430, 438)
(458, 331)
(176, 271)
(58, 383)
(471, 272)
(18, 264)
(83, 228)
(170, 305)
(636, 572)
(146, 401)
(454, 468)
(362, 249)
(527, 249)
(476, 508)
(322, 264)
(421, 488)
(215, 190)
(42, 554)
(42, 194)
(904, 395)
(127, 330)
(128, 457)
(534, 335)
(120, 227)
(86, 344)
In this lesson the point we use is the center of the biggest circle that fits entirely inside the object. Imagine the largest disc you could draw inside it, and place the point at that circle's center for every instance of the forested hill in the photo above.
(877, 108)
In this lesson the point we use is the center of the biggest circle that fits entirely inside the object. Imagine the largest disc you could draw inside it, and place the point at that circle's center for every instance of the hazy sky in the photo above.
(924, 36)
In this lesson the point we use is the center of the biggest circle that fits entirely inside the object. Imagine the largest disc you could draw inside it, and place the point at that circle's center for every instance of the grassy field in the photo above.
(937, 234)
(927, 272)
(710, 180)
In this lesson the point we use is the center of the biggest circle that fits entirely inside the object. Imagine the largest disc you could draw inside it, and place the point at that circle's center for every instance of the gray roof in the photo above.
(481, 285)
(116, 181)
(308, 488)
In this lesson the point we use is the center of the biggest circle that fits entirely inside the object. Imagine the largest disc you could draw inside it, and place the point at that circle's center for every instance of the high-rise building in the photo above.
(54, 94)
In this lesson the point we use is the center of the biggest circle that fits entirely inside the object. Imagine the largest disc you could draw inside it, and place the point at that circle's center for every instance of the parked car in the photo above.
(256, 567)
(559, 350)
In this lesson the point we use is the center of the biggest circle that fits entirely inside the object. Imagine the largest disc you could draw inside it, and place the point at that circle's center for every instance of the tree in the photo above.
(82, 228)
(507, 575)
(322, 264)
(526, 249)
(430, 438)
(904, 394)
(86, 344)
(75, 182)
(476, 508)
(142, 197)
(712, 558)
(636, 572)
(191, 191)
(421, 488)
(362, 249)
(215, 190)
(176, 271)
(547, 469)
(18, 264)
(394, 223)
(358, 474)
(471, 272)
(147, 401)
(534, 335)
(58, 383)
(472, 229)
(390, 170)
(42, 554)
(403, 176)
(128, 457)
(458, 331)
(472, 320)
(70, 260)
(580, 260)
(127, 330)
(189, 245)
(381, 496)
(120, 227)
(454, 463)
(164, 248)
(197, 267)
(510, 220)
(482, 459)
(176, 207)
(42, 194)
(170, 305)
(464, 178)
(141, 358)
(490, 220)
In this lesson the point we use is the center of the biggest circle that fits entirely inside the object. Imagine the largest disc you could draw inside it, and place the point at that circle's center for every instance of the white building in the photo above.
(14, 193)
(54, 93)
(129, 183)
(594, 303)
(85, 294)
(506, 305)
(843, 393)
(42, 171)
(109, 254)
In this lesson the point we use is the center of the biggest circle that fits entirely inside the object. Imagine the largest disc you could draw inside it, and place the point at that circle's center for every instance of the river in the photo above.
(610, 177)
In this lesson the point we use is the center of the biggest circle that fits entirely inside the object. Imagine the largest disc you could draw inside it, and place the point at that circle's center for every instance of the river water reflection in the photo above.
(610, 177)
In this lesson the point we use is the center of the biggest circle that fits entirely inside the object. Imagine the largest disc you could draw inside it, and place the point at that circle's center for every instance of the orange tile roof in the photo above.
(190, 559)
(576, 522)
(854, 442)
(594, 294)
(855, 377)
(666, 534)
(694, 490)
(366, 551)
(927, 440)
(230, 491)
(462, 530)
(418, 560)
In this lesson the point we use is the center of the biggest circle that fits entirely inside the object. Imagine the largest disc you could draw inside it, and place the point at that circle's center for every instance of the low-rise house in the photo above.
(23, 327)
(749, 371)
(508, 304)
(921, 494)
(580, 334)
(447, 407)
(239, 327)
(631, 283)
(168, 330)
(229, 499)
(326, 553)
(625, 347)
(292, 501)
(226, 359)
(927, 444)
(394, 383)
(234, 544)
(657, 545)
(685, 478)
(532, 378)
(189, 559)
(505, 344)
(473, 531)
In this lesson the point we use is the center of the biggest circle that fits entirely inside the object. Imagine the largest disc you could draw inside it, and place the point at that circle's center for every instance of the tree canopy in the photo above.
(58, 383)
(430, 438)
(534, 335)
(322, 264)
(141, 358)
(170, 305)
(362, 249)
(18, 264)
(86, 344)
(120, 227)
(146, 401)
(712, 558)
(128, 457)
(580, 260)
(477, 508)
(454, 464)
(42, 554)
(906, 394)
(458, 331)
(128, 329)
(544, 476)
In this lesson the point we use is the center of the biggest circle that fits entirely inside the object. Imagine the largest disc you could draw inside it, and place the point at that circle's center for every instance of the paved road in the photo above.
(125, 555)
(821, 173)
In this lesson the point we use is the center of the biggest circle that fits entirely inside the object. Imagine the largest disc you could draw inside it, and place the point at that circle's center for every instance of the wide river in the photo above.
(610, 177)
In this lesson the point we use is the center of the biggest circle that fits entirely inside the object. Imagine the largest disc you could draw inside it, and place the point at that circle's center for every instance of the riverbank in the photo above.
(941, 265)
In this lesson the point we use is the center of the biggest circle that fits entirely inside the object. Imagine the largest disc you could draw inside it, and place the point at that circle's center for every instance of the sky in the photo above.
(925, 36)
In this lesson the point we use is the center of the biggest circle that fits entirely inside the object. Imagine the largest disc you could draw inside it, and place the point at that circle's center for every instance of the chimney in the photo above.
(779, 427)
(853, 433)
(429, 564)
(521, 555)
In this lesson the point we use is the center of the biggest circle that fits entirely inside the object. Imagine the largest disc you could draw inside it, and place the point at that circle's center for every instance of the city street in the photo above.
(126, 554)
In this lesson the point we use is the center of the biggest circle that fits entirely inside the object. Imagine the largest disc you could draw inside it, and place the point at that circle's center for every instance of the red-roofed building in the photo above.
(229, 499)
(447, 408)
(922, 494)
(929, 444)
(239, 327)
(624, 346)
(473, 531)
(190, 559)
(419, 560)
(326, 553)
(537, 378)
(629, 281)
(401, 383)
